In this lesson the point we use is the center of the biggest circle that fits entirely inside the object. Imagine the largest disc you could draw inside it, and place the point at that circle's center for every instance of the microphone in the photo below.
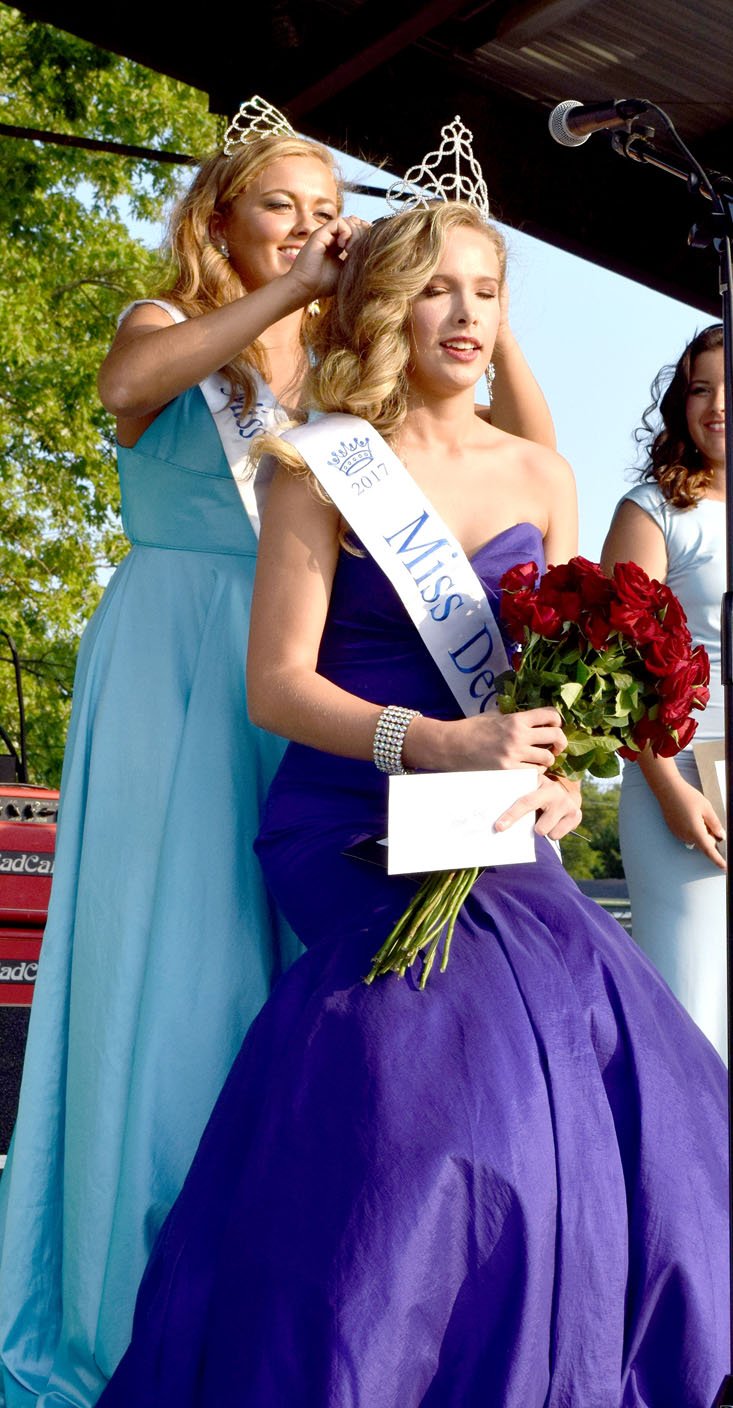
(572, 123)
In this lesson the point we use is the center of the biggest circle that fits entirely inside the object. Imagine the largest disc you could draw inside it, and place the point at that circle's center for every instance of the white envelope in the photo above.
(445, 820)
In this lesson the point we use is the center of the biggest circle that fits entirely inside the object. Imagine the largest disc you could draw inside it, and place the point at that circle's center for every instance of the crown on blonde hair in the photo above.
(256, 118)
(450, 173)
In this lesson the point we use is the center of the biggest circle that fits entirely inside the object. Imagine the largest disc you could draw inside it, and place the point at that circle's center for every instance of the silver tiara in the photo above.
(256, 118)
(450, 173)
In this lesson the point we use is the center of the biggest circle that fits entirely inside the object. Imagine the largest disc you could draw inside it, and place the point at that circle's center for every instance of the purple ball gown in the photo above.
(506, 1191)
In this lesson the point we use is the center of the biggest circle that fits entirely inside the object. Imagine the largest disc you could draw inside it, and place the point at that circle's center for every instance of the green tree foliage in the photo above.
(69, 264)
(595, 854)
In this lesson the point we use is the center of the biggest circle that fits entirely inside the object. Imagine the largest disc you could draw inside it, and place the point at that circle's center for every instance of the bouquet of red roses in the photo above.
(614, 656)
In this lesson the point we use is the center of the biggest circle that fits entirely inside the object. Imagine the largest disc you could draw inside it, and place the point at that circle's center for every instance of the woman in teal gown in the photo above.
(162, 944)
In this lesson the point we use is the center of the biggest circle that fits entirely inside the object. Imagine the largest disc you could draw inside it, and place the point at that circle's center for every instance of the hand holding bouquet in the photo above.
(614, 656)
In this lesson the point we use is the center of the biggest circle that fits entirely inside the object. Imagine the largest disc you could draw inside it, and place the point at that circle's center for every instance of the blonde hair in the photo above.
(361, 347)
(202, 278)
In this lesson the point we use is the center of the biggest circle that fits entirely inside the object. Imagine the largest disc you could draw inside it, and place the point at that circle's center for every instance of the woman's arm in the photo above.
(517, 402)
(296, 563)
(153, 360)
(635, 537)
(561, 535)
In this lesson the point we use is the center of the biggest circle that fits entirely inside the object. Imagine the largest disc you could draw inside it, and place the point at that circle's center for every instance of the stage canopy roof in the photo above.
(378, 79)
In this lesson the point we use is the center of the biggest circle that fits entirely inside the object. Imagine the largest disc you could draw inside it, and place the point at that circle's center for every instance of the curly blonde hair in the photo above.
(201, 277)
(361, 347)
(674, 460)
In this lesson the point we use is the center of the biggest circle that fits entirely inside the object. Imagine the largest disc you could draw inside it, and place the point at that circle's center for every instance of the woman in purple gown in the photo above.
(509, 1188)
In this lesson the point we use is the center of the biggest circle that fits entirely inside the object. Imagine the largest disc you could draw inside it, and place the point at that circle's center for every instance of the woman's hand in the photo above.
(318, 265)
(691, 818)
(530, 738)
(557, 800)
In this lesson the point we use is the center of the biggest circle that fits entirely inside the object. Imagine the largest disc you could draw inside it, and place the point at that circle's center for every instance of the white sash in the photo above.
(423, 560)
(236, 427)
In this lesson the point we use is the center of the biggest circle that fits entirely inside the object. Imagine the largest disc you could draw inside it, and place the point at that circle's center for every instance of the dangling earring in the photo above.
(490, 375)
(224, 249)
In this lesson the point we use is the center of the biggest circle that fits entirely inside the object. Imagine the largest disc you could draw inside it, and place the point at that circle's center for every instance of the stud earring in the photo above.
(224, 249)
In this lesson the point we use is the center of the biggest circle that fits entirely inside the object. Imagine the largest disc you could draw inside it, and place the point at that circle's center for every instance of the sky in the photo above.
(595, 342)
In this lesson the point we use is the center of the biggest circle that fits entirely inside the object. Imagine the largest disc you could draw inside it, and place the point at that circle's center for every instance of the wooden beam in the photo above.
(425, 19)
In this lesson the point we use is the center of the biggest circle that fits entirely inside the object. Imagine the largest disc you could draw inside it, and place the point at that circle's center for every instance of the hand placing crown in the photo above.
(450, 173)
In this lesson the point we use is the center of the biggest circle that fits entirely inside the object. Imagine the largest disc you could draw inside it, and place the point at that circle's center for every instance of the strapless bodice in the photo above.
(371, 648)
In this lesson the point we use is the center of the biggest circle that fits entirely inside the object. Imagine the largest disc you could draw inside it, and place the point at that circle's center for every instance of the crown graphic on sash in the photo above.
(351, 456)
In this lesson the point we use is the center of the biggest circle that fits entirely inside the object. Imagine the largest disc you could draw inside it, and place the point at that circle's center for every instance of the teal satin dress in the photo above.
(161, 944)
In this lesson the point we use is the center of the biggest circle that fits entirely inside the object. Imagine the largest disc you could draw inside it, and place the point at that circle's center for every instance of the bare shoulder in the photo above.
(537, 462)
(552, 468)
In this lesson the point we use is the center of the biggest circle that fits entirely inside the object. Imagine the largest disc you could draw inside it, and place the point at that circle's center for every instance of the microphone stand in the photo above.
(715, 228)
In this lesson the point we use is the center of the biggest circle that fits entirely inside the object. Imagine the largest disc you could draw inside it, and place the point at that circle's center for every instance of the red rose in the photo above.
(687, 680)
(636, 622)
(665, 654)
(561, 578)
(674, 712)
(516, 611)
(595, 627)
(688, 685)
(671, 744)
(587, 572)
(701, 658)
(647, 628)
(567, 604)
(649, 731)
(634, 587)
(671, 615)
(577, 575)
(518, 578)
(596, 589)
(545, 620)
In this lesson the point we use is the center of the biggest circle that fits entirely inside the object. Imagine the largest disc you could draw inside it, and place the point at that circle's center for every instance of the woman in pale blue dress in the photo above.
(162, 944)
(673, 525)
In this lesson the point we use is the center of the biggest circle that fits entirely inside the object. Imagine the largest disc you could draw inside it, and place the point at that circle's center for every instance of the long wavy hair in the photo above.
(200, 276)
(361, 348)
(674, 460)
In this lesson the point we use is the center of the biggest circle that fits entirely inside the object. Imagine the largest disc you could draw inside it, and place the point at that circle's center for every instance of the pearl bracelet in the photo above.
(389, 736)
